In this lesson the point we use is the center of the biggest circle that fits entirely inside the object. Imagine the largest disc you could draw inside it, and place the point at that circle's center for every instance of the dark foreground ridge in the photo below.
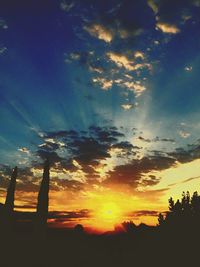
(173, 242)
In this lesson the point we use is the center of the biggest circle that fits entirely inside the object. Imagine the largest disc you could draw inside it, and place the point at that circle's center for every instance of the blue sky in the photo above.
(110, 85)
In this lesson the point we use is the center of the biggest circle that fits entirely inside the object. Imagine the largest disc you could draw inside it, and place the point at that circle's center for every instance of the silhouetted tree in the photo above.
(182, 214)
(161, 219)
(7, 219)
(9, 203)
(171, 204)
(79, 229)
(43, 199)
(129, 226)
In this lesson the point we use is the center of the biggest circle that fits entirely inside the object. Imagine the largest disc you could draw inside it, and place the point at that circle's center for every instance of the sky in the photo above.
(108, 91)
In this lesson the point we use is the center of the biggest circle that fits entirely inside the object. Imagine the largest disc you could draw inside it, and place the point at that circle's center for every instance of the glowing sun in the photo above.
(109, 212)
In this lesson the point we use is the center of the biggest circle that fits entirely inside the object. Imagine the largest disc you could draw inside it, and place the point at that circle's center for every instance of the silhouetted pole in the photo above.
(43, 199)
(9, 203)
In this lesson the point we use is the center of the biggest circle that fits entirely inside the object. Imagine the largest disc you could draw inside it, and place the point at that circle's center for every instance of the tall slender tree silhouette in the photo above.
(9, 203)
(43, 198)
(7, 219)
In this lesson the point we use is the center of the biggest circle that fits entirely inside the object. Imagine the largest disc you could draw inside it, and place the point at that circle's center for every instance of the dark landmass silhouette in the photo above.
(26, 239)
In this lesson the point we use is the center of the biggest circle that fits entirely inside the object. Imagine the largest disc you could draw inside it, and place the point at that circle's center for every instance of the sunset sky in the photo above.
(109, 91)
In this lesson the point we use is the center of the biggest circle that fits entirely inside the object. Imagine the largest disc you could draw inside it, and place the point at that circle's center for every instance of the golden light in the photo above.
(107, 215)
(109, 212)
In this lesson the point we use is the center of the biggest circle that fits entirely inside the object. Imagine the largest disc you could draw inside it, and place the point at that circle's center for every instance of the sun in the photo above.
(109, 212)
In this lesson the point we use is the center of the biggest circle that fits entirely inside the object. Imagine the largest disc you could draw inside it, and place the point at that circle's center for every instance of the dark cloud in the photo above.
(131, 173)
(89, 150)
(49, 146)
(124, 145)
(84, 213)
(87, 147)
(190, 179)
(171, 11)
(32, 206)
(64, 134)
(185, 181)
(141, 213)
(89, 60)
(72, 151)
(144, 139)
(184, 155)
(152, 195)
(52, 156)
(150, 181)
(27, 186)
(156, 139)
(172, 15)
(62, 184)
(120, 19)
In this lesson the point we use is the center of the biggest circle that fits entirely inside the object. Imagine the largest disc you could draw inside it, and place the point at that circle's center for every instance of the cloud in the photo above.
(185, 181)
(131, 173)
(52, 156)
(196, 3)
(153, 5)
(184, 134)
(66, 6)
(172, 15)
(139, 54)
(83, 213)
(144, 139)
(100, 155)
(156, 139)
(85, 58)
(133, 86)
(26, 206)
(167, 28)
(127, 106)
(3, 24)
(190, 179)
(77, 154)
(136, 87)
(101, 32)
(188, 154)
(141, 213)
(121, 60)
(188, 68)
(104, 83)
(149, 180)
(26, 182)
(57, 184)
(61, 134)
(96, 69)
(111, 24)
(3, 49)
(118, 22)
(24, 150)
